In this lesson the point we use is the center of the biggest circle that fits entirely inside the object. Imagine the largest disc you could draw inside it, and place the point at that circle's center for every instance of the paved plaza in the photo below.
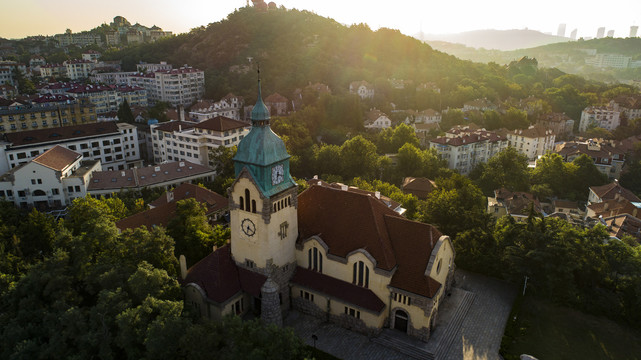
(470, 326)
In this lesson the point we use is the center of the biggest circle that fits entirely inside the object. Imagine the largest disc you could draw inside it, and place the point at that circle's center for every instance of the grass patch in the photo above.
(547, 331)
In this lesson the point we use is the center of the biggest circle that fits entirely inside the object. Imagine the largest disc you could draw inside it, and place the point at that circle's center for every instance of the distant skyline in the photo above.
(23, 18)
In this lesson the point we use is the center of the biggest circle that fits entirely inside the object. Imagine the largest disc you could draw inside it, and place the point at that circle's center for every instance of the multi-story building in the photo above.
(603, 117)
(181, 86)
(152, 68)
(50, 180)
(79, 69)
(8, 91)
(559, 123)
(115, 145)
(6, 76)
(608, 159)
(479, 105)
(112, 38)
(376, 119)
(616, 61)
(428, 116)
(112, 78)
(182, 140)
(628, 105)
(135, 96)
(533, 142)
(47, 111)
(229, 106)
(178, 86)
(91, 55)
(104, 97)
(362, 88)
(80, 39)
(50, 71)
(463, 150)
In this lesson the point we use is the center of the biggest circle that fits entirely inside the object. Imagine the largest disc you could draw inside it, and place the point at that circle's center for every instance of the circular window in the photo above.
(438, 266)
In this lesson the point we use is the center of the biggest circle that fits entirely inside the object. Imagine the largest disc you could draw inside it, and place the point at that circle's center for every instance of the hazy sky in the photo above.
(20, 18)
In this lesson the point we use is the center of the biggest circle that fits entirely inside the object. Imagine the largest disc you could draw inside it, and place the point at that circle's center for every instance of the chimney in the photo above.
(170, 196)
(377, 194)
(183, 267)
(343, 187)
(181, 113)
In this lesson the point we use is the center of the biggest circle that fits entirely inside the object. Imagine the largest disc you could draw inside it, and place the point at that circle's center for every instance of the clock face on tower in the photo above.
(278, 174)
(248, 227)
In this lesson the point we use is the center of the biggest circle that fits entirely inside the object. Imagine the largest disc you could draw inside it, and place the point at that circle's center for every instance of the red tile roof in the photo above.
(420, 187)
(57, 158)
(609, 191)
(214, 201)
(221, 124)
(347, 221)
(219, 276)
(342, 290)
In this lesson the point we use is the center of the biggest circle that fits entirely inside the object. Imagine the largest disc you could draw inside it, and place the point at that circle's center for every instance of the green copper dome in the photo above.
(261, 150)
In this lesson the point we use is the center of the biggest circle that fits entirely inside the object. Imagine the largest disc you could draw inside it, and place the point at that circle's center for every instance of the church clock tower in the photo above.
(263, 203)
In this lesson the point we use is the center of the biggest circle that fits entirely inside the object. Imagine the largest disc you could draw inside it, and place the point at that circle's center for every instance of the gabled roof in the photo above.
(610, 191)
(147, 176)
(220, 278)
(420, 187)
(276, 98)
(162, 210)
(517, 202)
(348, 221)
(221, 123)
(347, 292)
(57, 158)
(624, 224)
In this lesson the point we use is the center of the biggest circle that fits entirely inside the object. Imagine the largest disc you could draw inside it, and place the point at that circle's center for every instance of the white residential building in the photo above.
(628, 105)
(79, 69)
(229, 106)
(152, 68)
(52, 179)
(428, 116)
(112, 78)
(603, 117)
(376, 119)
(463, 150)
(178, 86)
(362, 88)
(114, 145)
(190, 141)
(533, 141)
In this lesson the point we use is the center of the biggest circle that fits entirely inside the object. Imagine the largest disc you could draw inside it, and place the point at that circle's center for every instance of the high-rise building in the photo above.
(573, 34)
(600, 32)
(561, 30)
(611, 33)
(633, 31)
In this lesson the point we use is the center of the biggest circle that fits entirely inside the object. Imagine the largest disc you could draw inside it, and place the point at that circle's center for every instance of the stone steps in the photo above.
(454, 326)
(404, 347)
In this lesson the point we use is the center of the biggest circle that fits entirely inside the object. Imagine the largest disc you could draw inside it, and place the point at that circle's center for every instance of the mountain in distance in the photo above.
(504, 40)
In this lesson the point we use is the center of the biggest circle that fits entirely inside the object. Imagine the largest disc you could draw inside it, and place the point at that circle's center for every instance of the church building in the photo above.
(338, 255)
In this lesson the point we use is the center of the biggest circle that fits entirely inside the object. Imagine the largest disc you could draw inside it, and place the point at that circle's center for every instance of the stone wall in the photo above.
(354, 324)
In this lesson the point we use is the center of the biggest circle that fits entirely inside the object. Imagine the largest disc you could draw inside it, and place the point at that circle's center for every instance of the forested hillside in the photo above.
(295, 48)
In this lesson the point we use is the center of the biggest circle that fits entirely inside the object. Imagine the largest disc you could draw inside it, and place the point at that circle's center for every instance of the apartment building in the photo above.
(533, 142)
(463, 149)
(79, 69)
(112, 78)
(51, 71)
(559, 123)
(183, 140)
(114, 145)
(182, 86)
(47, 111)
(603, 117)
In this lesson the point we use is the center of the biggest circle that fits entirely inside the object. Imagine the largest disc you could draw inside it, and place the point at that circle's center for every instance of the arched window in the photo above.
(247, 200)
(39, 193)
(315, 260)
(242, 203)
(254, 206)
(361, 274)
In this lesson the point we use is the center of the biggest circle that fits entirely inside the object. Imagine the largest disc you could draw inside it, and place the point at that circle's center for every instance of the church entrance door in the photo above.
(400, 321)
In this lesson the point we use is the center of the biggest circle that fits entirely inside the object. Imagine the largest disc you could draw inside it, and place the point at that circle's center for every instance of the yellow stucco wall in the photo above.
(266, 243)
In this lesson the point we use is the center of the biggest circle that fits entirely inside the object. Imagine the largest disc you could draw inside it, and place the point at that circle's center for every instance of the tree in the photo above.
(124, 113)
(507, 169)
(222, 161)
(358, 158)
(193, 235)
